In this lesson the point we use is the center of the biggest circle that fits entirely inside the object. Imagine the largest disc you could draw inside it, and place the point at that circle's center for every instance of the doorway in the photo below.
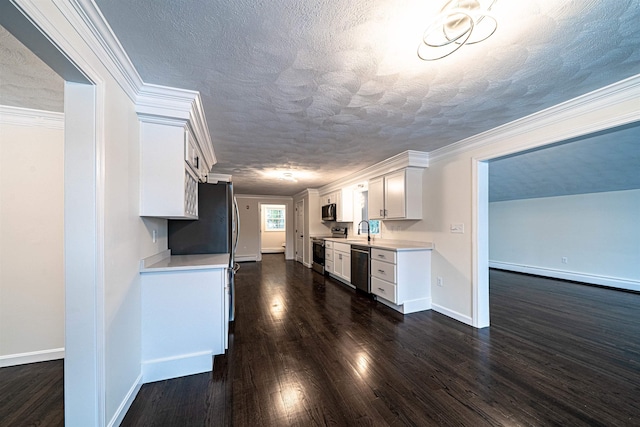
(273, 226)
(84, 378)
(299, 228)
(561, 198)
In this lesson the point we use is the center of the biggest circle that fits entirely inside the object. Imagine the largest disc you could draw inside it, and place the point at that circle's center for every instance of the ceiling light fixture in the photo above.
(460, 22)
(288, 176)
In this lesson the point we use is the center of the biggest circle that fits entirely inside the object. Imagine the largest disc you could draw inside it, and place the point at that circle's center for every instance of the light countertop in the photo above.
(164, 261)
(393, 245)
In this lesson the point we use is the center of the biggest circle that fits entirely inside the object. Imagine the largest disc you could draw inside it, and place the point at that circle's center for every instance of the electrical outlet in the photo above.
(440, 282)
(565, 260)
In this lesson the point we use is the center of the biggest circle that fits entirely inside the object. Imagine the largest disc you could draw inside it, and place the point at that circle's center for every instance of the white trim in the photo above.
(31, 357)
(177, 366)
(409, 158)
(246, 258)
(263, 197)
(87, 19)
(30, 117)
(408, 307)
(594, 279)
(600, 99)
(453, 314)
(126, 403)
(272, 250)
(480, 243)
(150, 99)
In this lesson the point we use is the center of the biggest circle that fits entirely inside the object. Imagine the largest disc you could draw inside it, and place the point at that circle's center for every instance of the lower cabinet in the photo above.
(342, 261)
(402, 278)
(328, 257)
(184, 321)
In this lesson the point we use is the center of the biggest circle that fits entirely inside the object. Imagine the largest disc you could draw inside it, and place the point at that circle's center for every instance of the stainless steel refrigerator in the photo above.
(215, 231)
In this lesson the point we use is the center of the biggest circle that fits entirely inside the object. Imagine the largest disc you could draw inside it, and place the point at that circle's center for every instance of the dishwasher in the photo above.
(360, 267)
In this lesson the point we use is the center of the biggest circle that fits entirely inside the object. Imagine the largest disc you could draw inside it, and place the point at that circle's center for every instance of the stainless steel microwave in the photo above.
(329, 212)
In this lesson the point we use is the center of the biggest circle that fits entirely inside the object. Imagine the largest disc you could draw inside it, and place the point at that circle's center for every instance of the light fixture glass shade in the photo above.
(459, 22)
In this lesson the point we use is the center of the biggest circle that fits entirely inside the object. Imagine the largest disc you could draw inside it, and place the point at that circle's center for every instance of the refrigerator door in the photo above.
(211, 233)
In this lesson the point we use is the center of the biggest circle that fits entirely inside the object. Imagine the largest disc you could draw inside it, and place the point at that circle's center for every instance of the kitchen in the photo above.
(396, 273)
(112, 218)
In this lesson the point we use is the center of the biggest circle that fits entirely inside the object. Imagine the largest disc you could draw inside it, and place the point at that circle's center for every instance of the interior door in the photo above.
(299, 226)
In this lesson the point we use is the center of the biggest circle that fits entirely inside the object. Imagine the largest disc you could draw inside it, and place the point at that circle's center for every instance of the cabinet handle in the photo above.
(381, 271)
(381, 256)
(381, 290)
(381, 213)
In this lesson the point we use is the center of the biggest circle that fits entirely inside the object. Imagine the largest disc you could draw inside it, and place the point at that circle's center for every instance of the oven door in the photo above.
(318, 256)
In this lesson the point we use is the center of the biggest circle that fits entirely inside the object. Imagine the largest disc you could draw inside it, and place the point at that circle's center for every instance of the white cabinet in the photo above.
(344, 204)
(168, 186)
(328, 257)
(342, 261)
(402, 279)
(330, 198)
(396, 195)
(184, 318)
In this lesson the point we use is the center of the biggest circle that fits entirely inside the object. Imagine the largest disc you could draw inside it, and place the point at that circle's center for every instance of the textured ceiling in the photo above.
(326, 88)
(26, 81)
(608, 161)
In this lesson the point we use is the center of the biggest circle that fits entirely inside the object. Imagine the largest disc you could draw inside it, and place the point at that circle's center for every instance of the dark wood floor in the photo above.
(306, 351)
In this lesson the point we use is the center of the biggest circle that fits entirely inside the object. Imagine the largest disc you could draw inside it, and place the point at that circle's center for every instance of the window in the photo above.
(362, 204)
(274, 219)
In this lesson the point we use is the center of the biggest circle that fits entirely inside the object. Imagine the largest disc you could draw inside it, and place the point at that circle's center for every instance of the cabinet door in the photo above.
(346, 267)
(395, 201)
(338, 264)
(345, 205)
(376, 198)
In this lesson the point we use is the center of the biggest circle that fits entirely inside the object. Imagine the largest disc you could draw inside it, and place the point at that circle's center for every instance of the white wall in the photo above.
(250, 220)
(598, 233)
(31, 237)
(104, 359)
(271, 241)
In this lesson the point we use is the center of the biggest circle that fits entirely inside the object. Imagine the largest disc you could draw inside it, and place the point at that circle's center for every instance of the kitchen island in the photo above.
(400, 272)
(185, 313)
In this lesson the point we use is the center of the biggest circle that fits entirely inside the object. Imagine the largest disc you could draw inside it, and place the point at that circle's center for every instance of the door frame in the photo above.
(299, 247)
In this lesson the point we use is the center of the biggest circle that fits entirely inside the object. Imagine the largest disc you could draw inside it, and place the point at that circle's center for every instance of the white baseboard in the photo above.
(31, 357)
(246, 258)
(453, 314)
(117, 418)
(612, 282)
(177, 366)
(408, 307)
(272, 250)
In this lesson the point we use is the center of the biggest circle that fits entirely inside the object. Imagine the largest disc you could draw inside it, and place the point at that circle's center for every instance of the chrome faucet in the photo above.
(368, 230)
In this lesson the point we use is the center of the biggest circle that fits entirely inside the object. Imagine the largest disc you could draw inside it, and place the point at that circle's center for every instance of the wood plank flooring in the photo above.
(306, 350)
(32, 395)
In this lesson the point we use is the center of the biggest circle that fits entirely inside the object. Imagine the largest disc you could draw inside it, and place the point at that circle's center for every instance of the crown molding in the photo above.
(18, 116)
(263, 197)
(306, 192)
(153, 102)
(550, 122)
(87, 19)
(409, 158)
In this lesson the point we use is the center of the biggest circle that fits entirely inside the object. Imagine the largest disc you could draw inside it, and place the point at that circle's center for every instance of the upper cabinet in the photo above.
(175, 153)
(396, 195)
(343, 199)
